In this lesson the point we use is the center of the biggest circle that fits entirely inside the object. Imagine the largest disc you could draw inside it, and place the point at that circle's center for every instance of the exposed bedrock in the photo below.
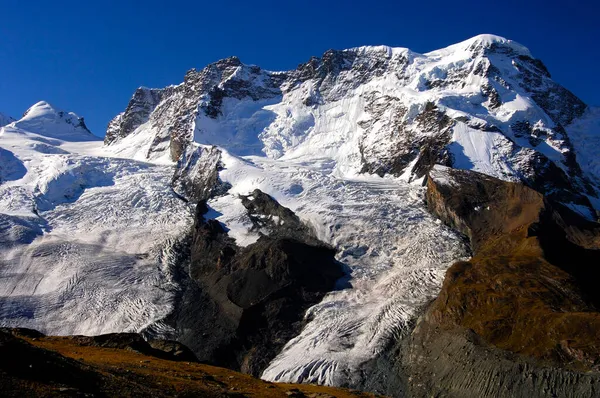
(479, 206)
(456, 362)
(242, 304)
(196, 176)
(517, 320)
(520, 318)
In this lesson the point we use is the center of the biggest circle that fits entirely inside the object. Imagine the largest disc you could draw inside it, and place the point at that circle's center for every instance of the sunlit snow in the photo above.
(86, 231)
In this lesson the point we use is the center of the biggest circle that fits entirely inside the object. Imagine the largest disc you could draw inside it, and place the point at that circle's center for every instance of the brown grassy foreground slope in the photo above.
(124, 365)
(533, 284)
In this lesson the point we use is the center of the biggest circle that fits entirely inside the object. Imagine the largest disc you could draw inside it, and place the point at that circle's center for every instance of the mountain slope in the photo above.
(96, 237)
(83, 242)
(124, 365)
(484, 104)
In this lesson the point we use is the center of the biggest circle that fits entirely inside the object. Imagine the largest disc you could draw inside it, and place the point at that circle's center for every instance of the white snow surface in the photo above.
(89, 227)
(84, 236)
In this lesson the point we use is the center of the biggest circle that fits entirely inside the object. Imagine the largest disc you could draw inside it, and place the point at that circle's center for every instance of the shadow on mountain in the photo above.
(241, 305)
(11, 167)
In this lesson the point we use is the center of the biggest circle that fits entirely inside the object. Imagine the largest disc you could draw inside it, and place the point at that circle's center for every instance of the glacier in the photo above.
(84, 237)
(88, 228)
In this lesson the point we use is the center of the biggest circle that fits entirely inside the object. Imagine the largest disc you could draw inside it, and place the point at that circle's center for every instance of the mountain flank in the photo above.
(32, 364)
(520, 318)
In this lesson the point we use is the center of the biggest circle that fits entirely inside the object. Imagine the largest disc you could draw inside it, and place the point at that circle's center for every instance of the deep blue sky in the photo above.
(89, 56)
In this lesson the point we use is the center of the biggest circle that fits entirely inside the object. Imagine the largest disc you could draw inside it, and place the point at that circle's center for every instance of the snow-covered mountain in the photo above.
(89, 229)
(81, 233)
(43, 119)
(484, 104)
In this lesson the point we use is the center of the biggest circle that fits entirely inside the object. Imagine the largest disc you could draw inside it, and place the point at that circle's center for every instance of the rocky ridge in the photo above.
(484, 104)
(520, 317)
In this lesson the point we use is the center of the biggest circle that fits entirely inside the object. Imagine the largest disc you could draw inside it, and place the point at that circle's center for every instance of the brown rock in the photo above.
(528, 287)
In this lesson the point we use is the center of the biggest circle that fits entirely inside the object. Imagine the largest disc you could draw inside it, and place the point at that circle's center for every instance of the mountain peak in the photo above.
(491, 41)
(44, 119)
(484, 43)
(229, 61)
(487, 38)
(40, 109)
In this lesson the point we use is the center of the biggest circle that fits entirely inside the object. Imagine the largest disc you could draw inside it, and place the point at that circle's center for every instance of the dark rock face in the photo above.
(558, 102)
(141, 105)
(242, 304)
(432, 150)
(80, 123)
(196, 176)
(270, 218)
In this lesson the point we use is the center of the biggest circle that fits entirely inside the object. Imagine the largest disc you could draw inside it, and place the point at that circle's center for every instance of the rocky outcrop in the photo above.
(164, 349)
(520, 317)
(479, 206)
(242, 304)
(271, 219)
(138, 111)
(196, 175)
(159, 348)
